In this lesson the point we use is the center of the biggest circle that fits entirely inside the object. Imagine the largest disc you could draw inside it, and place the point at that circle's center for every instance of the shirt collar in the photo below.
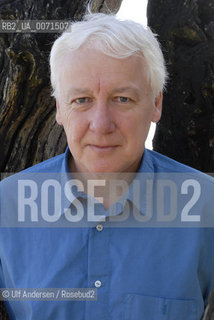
(137, 193)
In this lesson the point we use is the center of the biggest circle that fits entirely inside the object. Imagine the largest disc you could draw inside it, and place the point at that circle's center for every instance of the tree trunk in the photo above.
(28, 131)
(186, 129)
(186, 31)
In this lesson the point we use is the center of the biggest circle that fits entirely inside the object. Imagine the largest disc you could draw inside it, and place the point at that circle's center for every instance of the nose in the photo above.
(102, 119)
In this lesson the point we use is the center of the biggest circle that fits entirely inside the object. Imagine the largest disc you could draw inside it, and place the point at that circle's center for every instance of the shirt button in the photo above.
(99, 227)
(97, 283)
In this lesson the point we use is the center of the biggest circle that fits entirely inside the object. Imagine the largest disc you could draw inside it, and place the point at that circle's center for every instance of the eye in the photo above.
(82, 100)
(122, 99)
(81, 103)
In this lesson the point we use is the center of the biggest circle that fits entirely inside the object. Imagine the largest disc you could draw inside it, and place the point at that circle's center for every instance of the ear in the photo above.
(157, 108)
(58, 113)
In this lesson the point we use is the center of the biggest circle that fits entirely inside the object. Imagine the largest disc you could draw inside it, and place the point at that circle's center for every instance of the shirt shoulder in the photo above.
(161, 163)
(157, 163)
(54, 164)
(51, 166)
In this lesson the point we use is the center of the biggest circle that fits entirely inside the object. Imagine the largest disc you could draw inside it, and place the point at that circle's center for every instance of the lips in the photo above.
(102, 147)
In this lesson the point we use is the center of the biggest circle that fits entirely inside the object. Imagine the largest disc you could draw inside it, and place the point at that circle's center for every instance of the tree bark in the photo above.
(186, 32)
(28, 131)
(185, 132)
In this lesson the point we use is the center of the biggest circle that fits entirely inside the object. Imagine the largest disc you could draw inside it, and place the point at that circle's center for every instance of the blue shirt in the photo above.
(147, 273)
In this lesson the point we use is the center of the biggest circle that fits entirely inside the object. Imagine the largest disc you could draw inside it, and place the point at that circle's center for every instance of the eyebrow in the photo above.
(79, 91)
(128, 88)
(84, 91)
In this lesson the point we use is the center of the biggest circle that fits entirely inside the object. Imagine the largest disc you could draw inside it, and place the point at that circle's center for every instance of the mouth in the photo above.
(102, 148)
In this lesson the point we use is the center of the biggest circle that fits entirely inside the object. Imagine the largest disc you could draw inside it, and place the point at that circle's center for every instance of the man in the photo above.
(107, 77)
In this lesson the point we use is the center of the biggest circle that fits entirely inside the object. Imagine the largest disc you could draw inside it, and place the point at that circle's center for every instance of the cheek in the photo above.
(75, 127)
(135, 125)
(136, 130)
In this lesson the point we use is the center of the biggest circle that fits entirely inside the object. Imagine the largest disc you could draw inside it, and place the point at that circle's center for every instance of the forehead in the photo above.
(90, 65)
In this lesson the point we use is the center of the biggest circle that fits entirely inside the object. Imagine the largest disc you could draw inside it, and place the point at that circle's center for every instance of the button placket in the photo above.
(98, 270)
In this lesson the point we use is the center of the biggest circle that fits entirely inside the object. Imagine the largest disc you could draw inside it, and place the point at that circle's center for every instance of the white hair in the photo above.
(115, 38)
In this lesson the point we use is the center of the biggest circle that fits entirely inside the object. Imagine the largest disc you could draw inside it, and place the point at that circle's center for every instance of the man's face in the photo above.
(105, 106)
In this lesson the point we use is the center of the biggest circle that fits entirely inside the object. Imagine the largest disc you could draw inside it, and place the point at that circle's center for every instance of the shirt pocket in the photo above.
(138, 307)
